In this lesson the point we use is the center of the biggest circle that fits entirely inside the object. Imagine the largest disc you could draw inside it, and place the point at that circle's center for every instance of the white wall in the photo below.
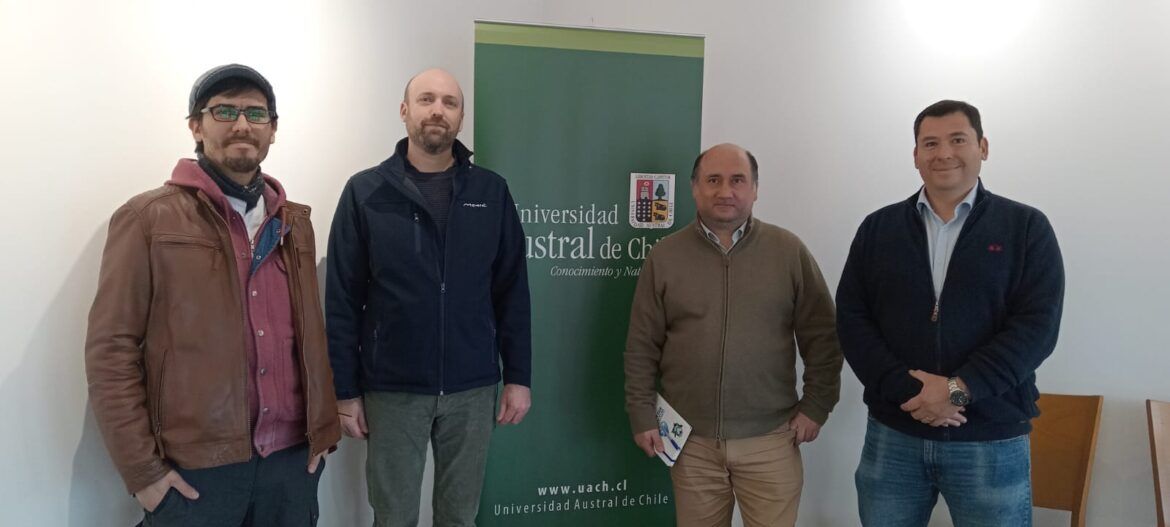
(1073, 95)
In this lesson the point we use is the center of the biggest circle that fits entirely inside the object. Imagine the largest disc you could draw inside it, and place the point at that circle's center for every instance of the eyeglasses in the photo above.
(226, 113)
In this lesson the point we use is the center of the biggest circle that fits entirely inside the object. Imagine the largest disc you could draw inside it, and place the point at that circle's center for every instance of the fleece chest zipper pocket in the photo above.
(417, 234)
(374, 352)
(494, 343)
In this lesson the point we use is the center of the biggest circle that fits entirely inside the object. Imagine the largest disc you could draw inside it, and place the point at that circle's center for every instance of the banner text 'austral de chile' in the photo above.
(573, 233)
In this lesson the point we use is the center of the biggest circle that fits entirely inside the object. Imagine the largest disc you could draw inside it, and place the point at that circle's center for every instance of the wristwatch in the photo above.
(959, 397)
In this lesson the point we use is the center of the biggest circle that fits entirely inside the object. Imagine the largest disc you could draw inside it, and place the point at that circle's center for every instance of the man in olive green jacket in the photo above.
(721, 310)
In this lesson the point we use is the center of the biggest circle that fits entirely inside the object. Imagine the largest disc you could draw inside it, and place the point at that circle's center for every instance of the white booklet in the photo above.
(674, 431)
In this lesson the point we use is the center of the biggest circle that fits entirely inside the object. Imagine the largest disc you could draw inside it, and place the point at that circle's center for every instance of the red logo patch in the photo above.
(995, 248)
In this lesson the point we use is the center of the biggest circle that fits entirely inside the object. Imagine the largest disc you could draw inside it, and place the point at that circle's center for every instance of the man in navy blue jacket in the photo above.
(948, 303)
(426, 295)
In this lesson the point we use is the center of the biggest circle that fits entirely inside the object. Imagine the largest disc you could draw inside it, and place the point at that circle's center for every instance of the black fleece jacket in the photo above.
(407, 313)
(998, 314)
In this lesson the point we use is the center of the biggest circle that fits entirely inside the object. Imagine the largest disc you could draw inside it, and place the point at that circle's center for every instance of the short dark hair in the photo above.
(751, 161)
(947, 107)
(229, 86)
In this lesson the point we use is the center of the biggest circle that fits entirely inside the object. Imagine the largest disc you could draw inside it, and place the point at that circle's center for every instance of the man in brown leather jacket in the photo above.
(206, 351)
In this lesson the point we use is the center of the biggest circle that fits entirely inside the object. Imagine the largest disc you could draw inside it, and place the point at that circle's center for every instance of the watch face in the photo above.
(959, 398)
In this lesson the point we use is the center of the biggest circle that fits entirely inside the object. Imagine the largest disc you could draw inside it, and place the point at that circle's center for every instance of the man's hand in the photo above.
(317, 461)
(153, 494)
(932, 405)
(650, 442)
(353, 418)
(514, 404)
(806, 429)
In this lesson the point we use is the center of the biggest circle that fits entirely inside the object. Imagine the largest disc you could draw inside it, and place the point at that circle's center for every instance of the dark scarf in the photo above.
(249, 193)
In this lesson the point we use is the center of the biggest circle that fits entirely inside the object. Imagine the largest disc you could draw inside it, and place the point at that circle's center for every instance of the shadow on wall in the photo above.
(95, 490)
(49, 387)
(342, 492)
(97, 493)
(51, 381)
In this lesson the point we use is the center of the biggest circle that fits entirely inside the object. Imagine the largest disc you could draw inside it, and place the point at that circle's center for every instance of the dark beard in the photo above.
(243, 165)
(435, 143)
(249, 193)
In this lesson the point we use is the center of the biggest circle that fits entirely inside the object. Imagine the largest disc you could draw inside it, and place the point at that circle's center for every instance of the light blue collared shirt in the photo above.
(735, 236)
(941, 236)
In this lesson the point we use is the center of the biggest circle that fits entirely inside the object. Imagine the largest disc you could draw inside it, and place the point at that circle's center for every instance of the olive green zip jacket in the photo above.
(721, 333)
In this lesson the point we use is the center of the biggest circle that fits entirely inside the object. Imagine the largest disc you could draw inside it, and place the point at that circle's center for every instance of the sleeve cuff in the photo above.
(140, 477)
(818, 415)
(518, 378)
(901, 388)
(344, 394)
(642, 421)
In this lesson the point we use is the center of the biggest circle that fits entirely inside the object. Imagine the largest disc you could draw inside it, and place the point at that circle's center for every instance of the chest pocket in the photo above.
(395, 230)
(478, 231)
(986, 262)
(184, 255)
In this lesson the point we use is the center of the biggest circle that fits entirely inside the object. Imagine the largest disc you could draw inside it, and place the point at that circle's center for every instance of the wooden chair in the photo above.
(1158, 413)
(1064, 441)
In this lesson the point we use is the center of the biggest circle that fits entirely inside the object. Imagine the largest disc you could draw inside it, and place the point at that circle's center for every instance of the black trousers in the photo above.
(276, 491)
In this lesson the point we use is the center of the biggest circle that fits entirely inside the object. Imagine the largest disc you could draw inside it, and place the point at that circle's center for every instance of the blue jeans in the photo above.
(985, 483)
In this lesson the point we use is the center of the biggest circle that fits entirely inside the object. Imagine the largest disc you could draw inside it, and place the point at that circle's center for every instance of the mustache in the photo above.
(247, 139)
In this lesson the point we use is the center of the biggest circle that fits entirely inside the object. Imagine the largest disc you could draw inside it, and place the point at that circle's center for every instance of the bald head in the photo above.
(432, 110)
(434, 77)
(724, 184)
(727, 150)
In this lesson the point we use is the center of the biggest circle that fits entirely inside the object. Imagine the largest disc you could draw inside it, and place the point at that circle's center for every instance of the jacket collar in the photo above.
(189, 174)
(394, 171)
(397, 162)
(701, 229)
(981, 193)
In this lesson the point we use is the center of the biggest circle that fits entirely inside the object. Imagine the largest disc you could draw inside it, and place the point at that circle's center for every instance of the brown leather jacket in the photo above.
(165, 352)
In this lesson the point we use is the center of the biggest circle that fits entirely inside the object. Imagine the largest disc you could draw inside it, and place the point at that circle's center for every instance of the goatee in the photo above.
(241, 165)
(434, 143)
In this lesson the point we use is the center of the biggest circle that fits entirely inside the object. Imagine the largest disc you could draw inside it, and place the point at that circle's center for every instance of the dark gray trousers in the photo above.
(458, 427)
(276, 491)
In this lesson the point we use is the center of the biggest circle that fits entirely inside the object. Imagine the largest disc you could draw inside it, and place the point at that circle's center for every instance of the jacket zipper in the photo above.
(374, 352)
(440, 270)
(417, 235)
(442, 335)
(158, 399)
(443, 290)
(722, 352)
(934, 313)
(293, 263)
(934, 318)
(495, 342)
(443, 283)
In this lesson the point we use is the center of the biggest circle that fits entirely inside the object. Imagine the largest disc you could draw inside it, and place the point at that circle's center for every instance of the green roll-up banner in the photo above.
(595, 132)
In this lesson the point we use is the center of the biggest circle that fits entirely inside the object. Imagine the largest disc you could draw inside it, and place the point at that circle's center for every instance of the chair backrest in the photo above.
(1159, 418)
(1064, 442)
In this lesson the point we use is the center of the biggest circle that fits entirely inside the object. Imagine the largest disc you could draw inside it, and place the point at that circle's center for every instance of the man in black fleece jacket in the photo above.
(428, 311)
(948, 303)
